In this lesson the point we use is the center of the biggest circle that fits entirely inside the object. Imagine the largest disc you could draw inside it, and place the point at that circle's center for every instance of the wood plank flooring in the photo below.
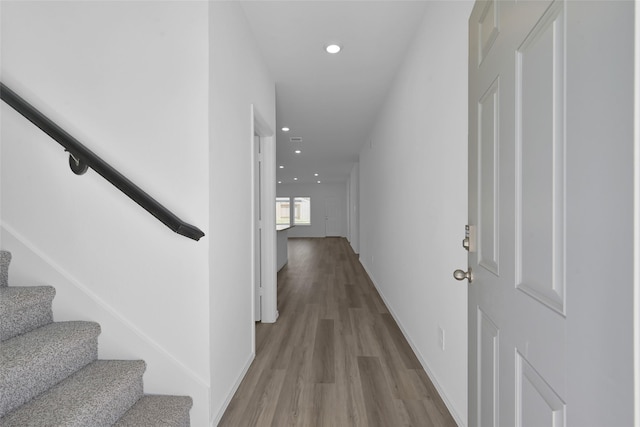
(335, 357)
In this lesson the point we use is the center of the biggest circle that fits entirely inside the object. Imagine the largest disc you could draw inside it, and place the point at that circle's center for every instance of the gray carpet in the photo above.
(5, 259)
(24, 309)
(50, 375)
(157, 411)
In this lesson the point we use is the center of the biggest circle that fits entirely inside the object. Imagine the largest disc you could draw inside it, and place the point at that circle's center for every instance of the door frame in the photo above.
(257, 227)
(636, 218)
(269, 308)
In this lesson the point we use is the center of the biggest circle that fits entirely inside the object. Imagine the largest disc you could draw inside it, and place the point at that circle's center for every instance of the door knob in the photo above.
(461, 275)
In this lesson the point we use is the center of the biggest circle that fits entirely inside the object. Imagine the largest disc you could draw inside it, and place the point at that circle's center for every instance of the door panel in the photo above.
(488, 27)
(517, 339)
(488, 174)
(332, 217)
(537, 405)
(488, 370)
(540, 170)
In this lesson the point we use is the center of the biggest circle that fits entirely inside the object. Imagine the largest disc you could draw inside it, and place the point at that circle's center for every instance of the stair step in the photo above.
(49, 375)
(23, 309)
(31, 363)
(5, 260)
(97, 395)
(158, 411)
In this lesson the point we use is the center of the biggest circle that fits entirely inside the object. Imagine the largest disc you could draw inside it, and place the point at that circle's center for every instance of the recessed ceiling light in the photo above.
(333, 48)
(318, 182)
(298, 151)
(281, 167)
(285, 129)
(295, 179)
(315, 174)
(279, 182)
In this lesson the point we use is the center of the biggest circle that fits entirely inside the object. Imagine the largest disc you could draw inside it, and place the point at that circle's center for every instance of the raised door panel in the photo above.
(540, 163)
(488, 28)
(488, 370)
(488, 178)
(537, 404)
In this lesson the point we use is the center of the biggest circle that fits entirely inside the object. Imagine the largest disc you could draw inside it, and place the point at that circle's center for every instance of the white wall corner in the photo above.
(218, 416)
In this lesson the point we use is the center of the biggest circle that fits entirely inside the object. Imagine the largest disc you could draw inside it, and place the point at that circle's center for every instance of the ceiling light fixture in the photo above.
(318, 182)
(285, 129)
(315, 174)
(279, 182)
(298, 151)
(333, 48)
(295, 179)
(281, 167)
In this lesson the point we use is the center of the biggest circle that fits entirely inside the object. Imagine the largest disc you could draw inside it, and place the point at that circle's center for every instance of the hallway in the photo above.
(335, 357)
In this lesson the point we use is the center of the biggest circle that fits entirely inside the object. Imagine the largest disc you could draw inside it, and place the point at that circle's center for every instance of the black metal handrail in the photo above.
(82, 158)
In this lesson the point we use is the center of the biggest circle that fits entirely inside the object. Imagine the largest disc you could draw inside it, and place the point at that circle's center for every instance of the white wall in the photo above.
(318, 194)
(599, 192)
(130, 80)
(354, 207)
(413, 199)
(239, 78)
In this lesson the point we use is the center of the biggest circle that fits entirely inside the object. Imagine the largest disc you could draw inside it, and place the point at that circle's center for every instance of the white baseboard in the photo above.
(456, 416)
(214, 422)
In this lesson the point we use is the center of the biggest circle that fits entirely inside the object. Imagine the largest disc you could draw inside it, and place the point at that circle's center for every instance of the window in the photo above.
(302, 211)
(299, 211)
(283, 211)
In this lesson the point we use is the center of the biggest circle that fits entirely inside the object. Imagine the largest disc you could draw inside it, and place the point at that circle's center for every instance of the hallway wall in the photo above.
(353, 189)
(239, 79)
(413, 199)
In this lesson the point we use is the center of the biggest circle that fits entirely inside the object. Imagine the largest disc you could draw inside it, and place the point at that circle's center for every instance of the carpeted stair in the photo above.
(50, 375)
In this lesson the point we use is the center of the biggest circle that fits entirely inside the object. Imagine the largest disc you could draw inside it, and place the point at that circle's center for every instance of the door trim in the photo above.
(260, 127)
(636, 219)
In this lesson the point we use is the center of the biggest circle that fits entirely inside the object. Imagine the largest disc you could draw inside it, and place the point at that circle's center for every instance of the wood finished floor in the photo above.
(335, 357)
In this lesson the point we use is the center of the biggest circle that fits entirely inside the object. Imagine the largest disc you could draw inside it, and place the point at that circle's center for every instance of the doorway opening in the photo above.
(264, 284)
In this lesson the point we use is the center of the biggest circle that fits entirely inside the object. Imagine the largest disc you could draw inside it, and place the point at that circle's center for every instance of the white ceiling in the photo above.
(331, 101)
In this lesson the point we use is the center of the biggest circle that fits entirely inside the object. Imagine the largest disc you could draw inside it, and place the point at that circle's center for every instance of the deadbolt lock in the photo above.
(469, 235)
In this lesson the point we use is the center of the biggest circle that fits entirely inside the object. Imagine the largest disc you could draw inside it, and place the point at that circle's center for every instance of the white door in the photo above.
(257, 243)
(332, 217)
(550, 190)
(517, 299)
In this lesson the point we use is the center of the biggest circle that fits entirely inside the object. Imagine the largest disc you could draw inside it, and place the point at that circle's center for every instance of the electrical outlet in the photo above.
(441, 338)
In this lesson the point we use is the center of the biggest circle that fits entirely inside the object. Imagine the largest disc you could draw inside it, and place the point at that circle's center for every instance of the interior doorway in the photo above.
(332, 217)
(257, 227)
(264, 274)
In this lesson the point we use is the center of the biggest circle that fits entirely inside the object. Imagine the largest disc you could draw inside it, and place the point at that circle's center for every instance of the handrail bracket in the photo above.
(77, 165)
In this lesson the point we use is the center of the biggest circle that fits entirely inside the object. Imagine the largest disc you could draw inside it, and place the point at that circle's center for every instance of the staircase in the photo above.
(50, 375)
